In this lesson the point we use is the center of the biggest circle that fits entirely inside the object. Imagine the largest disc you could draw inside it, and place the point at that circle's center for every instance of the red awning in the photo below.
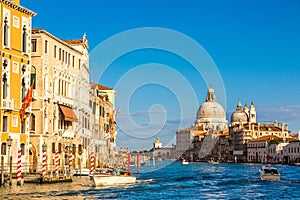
(68, 113)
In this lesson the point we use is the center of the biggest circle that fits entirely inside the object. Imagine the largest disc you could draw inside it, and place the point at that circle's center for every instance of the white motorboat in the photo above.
(185, 162)
(213, 162)
(297, 164)
(108, 179)
(82, 172)
(269, 172)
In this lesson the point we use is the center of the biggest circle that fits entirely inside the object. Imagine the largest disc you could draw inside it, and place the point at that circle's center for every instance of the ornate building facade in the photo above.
(60, 118)
(103, 124)
(16, 79)
(244, 128)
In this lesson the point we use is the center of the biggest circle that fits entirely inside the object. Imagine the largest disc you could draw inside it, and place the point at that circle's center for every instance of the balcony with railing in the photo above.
(47, 95)
(63, 100)
(7, 104)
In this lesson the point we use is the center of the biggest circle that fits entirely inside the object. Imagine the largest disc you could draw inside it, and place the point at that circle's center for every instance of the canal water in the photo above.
(167, 180)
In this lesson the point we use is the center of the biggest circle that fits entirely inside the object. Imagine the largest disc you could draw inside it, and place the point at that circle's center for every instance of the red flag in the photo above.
(26, 102)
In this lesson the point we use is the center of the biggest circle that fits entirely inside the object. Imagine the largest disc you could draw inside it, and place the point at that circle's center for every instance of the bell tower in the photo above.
(252, 113)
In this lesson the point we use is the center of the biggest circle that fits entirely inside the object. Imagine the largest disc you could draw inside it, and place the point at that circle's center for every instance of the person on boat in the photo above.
(117, 172)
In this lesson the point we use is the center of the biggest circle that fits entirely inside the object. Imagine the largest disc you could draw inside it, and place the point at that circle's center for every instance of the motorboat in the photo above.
(116, 177)
(211, 161)
(81, 172)
(297, 164)
(268, 172)
(185, 162)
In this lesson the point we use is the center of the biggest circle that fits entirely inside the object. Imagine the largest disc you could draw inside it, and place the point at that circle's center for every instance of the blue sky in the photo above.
(255, 45)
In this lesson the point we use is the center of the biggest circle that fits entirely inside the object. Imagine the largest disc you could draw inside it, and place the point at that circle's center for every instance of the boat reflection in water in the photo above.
(269, 172)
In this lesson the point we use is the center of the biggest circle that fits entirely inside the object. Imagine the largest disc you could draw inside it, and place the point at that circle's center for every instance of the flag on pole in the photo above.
(26, 102)
(117, 111)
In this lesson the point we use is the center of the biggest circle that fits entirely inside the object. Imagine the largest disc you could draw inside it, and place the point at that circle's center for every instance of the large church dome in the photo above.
(211, 110)
(211, 114)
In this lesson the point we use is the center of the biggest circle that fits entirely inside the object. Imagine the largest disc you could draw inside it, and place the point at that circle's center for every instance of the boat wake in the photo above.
(145, 181)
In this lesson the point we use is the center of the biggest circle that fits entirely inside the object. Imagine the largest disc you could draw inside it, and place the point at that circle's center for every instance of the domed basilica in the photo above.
(243, 116)
(211, 114)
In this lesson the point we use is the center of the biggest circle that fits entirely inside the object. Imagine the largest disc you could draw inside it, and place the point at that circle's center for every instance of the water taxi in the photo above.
(185, 162)
(269, 172)
(116, 177)
(211, 161)
(81, 172)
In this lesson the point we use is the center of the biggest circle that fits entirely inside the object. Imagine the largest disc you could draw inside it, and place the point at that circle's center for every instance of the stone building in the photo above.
(103, 124)
(257, 149)
(275, 152)
(16, 79)
(291, 153)
(60, 118)
(160, 153)
(244, 128)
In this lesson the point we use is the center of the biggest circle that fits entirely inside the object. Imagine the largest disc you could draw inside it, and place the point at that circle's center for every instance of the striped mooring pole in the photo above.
(44, 159)
(19, 171)
(92, 163)
(121, 157)
(138, 163)
(128, 159)
(56, 162)
(70, 159)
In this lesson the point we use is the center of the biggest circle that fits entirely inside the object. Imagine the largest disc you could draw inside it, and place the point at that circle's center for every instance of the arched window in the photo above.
(5, 32)
(33, 76)
(23, 127)
(24, 39)
(22, 146)
(80, 149)
(53, 147)
(23, 89)
(74, 149)
(59, 147)
(3, 148)
(5, 86)
(32, 122)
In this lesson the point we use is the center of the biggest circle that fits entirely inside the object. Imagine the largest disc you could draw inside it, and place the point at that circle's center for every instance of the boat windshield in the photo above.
(270, 171)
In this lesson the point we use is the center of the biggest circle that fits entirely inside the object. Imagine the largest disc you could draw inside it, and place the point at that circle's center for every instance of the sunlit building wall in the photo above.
(15, 77)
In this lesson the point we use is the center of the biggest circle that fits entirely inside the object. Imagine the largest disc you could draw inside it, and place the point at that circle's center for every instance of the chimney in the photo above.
(282, 126)
(287, 127)
(258, 126)
(298, 134)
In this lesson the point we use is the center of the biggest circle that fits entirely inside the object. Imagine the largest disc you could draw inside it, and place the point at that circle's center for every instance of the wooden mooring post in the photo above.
(2, 170)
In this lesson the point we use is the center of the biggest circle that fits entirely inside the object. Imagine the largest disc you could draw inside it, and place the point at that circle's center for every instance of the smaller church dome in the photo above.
(238, 116)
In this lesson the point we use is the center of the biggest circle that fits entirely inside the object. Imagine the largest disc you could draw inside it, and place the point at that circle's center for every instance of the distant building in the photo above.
(160, 153)
(257, 149)
(275, 152)
(157, 144)
(103, 142)
(291, 153)
(244, 128)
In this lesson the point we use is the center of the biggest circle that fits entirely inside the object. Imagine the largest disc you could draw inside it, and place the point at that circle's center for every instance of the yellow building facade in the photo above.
(15, 72)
